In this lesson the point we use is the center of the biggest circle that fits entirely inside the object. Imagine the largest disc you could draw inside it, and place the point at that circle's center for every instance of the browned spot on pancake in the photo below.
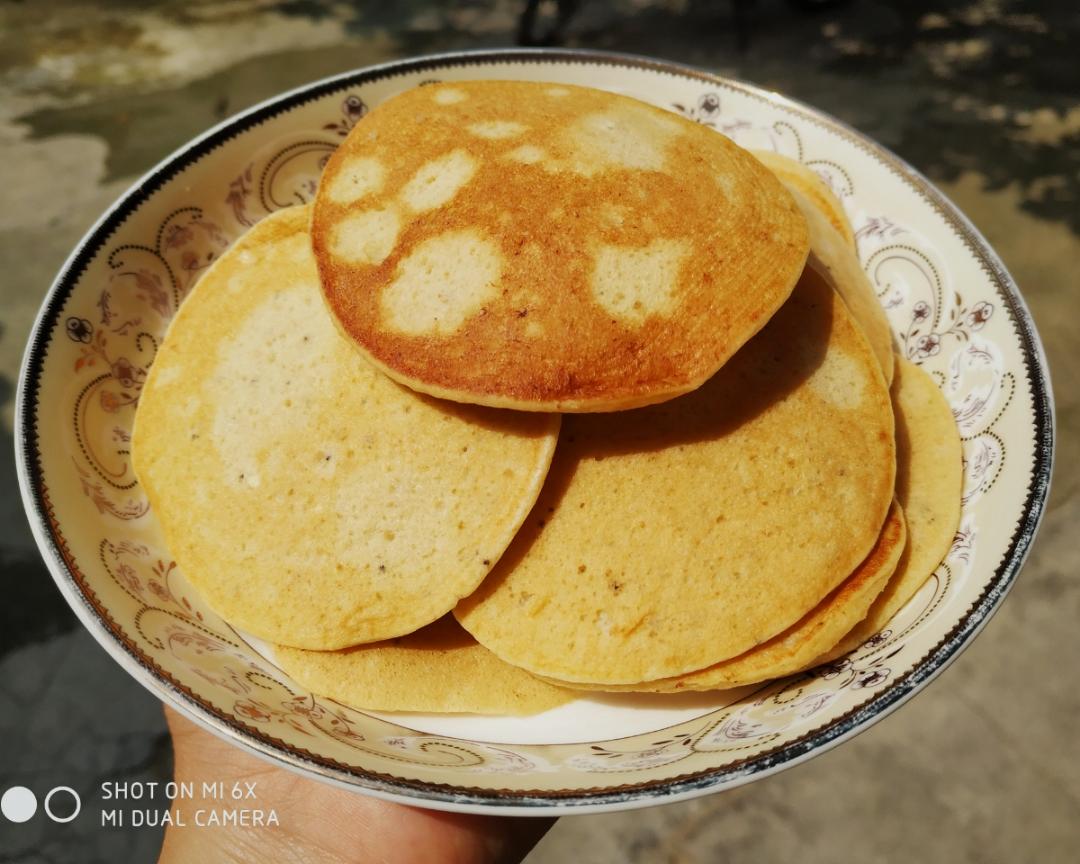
(634, 283)
(527, 154)
(359, 177)
(448, 96)
(439, 180)
(633, 139)
(442, 282)
(366, 237)
(497, 129)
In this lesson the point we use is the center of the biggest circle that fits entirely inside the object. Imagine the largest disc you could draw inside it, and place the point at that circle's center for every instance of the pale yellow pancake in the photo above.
(548, 247)
(832, 253)
(673, 537)
(802, 643)
(929, 479)
(311, 500)
(794, 174)
(835, 260)
(439, 668)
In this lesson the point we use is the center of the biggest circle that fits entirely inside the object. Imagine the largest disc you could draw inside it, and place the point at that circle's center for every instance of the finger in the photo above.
(499, 839)
(195, 750)
(322, 822)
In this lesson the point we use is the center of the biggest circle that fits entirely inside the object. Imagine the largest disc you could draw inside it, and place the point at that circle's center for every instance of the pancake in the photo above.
(929, 480)
(835, 260)
(549, 248)
(833, 254)
(673, 537)
(796, 175)
(816, 632)
(439, 668)
(853, 286)
(311, 500)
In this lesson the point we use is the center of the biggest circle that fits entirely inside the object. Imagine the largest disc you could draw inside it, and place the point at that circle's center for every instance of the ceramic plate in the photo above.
(952, 305)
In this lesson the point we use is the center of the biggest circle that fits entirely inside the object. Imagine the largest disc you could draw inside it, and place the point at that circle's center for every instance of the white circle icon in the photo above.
(19, 804)
(73, 794)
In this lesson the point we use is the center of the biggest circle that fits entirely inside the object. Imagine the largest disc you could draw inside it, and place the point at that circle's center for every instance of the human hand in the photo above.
(321, 824)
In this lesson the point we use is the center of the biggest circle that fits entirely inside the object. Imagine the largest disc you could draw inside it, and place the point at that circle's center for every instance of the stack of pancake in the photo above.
(549, 390)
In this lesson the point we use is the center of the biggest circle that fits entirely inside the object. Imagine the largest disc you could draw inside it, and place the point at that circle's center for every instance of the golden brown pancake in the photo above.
(675, 536)
(439, 668)
(929, 479)
(796, 175)
(802, 643)
(549, 248)
(835, 260)
(311, 500)
(832, 253)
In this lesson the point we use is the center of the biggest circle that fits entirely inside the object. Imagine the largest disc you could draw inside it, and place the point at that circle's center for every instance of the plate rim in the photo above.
(457, 797)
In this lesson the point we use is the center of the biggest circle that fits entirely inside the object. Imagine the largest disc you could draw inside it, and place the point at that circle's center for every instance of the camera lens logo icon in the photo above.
(19, 804)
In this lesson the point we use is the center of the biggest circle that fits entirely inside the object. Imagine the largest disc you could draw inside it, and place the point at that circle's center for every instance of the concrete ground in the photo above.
(980, 95)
